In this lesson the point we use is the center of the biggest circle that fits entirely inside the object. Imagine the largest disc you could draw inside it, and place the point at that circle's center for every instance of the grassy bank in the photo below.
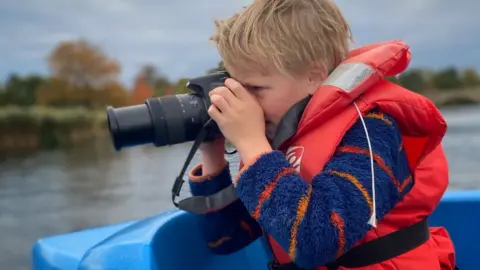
(38, 128)
(32, 128)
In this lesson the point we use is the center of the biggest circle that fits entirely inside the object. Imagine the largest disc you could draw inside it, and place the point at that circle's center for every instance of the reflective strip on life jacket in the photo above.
(211, 203)
(350, 76)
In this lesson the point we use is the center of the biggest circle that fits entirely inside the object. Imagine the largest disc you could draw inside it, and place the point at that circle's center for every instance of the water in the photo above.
(65, 190)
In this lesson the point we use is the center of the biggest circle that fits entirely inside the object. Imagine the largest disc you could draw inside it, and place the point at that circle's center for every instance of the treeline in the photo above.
(447, 79)
(68, 105)
(58, 91)
(82, 75)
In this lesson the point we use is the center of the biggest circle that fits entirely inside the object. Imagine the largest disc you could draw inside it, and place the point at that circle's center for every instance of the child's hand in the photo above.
(239, 117)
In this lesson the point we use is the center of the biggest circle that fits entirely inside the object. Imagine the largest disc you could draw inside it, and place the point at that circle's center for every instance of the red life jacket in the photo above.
(358, 81)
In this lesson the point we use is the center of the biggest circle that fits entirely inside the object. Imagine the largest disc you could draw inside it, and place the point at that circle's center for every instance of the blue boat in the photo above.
(173, 241)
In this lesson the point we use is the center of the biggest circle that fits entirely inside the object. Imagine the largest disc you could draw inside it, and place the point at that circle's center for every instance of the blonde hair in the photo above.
(291, 35)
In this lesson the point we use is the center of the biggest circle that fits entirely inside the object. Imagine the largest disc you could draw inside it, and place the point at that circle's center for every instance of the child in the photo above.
(334, 155)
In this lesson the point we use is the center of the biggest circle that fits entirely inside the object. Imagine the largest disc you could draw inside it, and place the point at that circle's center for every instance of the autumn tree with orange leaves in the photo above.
(82, 65)
(141, 90)
(82, 75)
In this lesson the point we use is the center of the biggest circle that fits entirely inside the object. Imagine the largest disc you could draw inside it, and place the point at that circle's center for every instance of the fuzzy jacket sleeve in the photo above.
(231, 228)
(313, 223)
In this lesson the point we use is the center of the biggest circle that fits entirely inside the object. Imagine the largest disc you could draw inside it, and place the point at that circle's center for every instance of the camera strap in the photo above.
(201, 204)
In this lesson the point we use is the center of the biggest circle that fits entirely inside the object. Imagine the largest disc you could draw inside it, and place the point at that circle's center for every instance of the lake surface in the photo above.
(60, 191)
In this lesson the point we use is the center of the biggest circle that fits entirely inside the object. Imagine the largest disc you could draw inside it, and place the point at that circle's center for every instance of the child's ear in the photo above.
(316, 75)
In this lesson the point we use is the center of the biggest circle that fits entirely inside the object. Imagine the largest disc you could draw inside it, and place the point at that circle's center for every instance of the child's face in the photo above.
(275, 93)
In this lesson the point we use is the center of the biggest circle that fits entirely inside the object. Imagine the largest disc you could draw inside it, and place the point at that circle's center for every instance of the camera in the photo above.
(167, 120)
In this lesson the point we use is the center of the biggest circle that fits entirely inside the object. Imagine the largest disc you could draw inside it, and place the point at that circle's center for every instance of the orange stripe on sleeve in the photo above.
(337, 222)
(405, 183)
(301, 210)
(267, 192)
(379, 116)
(377, 158)
(358, 185)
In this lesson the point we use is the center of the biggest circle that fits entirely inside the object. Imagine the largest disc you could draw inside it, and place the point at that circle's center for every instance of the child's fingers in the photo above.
(220, 102)
(215, 113)
(237, 89)
(225, 93)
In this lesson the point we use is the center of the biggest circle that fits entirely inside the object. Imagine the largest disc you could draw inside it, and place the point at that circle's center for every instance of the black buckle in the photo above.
(273, 265)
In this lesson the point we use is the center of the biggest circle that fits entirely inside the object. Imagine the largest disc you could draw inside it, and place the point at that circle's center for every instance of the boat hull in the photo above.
(173, 240)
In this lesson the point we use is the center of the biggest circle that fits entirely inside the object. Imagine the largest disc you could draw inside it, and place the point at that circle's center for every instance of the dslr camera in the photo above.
(167, 120)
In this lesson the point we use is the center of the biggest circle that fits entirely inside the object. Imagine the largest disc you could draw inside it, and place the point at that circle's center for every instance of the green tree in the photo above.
(470, 77)
(392, 79)
(21, 91)
(447, 78)
(412, 79)
(2, 95)
(181, 87)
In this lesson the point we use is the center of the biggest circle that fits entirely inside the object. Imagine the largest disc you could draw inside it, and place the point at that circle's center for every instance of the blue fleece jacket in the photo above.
(314, 223)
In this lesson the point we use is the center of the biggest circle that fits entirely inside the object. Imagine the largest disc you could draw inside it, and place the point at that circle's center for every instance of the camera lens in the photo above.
(161, 121)
(130, 126)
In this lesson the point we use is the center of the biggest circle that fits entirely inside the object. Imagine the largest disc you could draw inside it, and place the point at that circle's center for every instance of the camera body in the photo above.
(167, 120)
(204, 84)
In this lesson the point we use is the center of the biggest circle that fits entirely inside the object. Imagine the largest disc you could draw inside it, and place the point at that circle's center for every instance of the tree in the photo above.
(412, 79)
(181, 87)
(141, 90)
(113, 94)
(21, 91)
(470, 77)
(150, 74)
(447, 78)
(161, 85)
(392, 79)
(82, 65)
(56, 93)
(156, 80)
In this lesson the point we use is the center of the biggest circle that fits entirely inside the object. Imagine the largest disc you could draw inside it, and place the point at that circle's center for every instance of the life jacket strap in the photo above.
(376, 251)
(384, 248)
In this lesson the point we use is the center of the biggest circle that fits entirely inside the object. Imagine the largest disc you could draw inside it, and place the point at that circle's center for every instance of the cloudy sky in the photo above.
(173, 35)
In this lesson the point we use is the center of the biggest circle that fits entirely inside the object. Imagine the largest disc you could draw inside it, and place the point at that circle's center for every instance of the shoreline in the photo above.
(36, 128)
(453, 98)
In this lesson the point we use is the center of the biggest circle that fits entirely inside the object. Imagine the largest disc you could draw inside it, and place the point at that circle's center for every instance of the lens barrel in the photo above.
(166, 120)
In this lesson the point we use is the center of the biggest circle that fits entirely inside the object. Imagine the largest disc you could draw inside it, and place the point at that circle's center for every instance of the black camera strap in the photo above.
(178, 184)
(201, 204)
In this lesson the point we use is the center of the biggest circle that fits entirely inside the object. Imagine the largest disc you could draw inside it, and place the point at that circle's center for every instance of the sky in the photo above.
(173, 35)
